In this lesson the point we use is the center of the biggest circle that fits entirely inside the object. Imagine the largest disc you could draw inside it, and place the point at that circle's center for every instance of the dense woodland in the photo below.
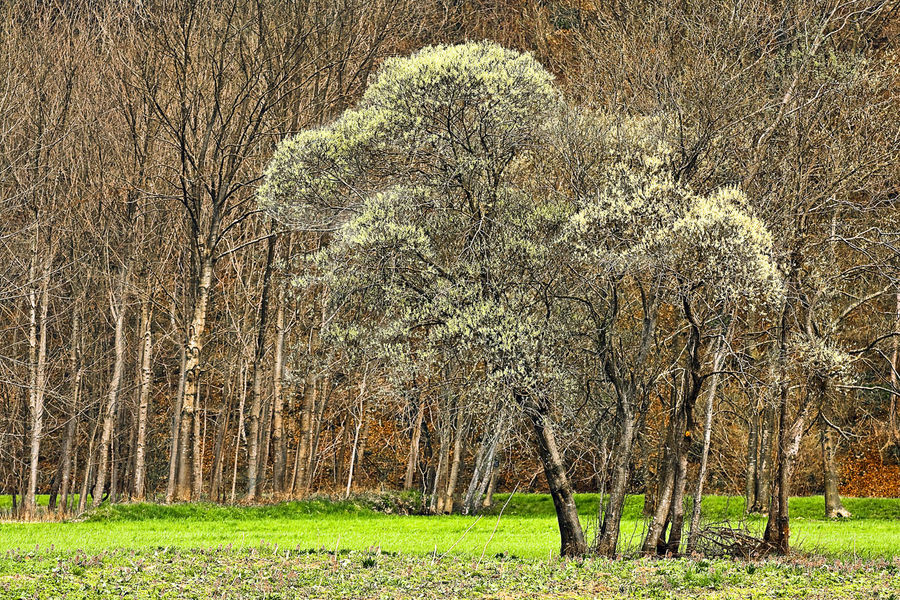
(184, 317)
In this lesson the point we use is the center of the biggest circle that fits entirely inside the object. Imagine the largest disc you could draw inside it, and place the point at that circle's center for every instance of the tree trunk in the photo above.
(197, 462)
(413, 459)
(38, 381)
(65, 453)
(140, 451)
(571, 535)
(764, 466)
(118, 308)
(240, 430)
(704, 457)
(492, 483)
(606, 543)
(278, 474)
(752, 457)
(834, 508)
(310, 389)
(458, 442)
(184, 488)
(256, 394)
(436, 502)
(88, 467)
(222, 421)
(895, 376)
(173, 435)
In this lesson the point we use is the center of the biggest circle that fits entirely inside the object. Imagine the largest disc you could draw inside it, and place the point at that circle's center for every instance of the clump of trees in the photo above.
(644, 249)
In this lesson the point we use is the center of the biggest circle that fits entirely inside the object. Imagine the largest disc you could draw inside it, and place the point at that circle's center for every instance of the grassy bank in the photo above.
(527, 528)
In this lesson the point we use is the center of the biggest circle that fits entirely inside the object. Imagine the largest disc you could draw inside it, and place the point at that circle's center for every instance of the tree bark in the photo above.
(834, 508)
(278, 474)
(570, 532)
(140, 451)
(310, 389)
(196, 330)
(413, 459)
(38, 381)
(458, 442)
(607, 542)
(752, 457)
(256, 394)
(696, 512)
(118, 306)
(174, 437)
(65, 453)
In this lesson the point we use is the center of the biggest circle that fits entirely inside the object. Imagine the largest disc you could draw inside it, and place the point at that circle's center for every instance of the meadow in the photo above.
(363, 548)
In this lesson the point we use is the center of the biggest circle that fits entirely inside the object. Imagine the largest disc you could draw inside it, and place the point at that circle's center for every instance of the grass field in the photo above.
(330, 549)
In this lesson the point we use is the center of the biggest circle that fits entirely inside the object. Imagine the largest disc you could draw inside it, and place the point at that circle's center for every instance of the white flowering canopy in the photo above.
(448, 232)
(446, 117)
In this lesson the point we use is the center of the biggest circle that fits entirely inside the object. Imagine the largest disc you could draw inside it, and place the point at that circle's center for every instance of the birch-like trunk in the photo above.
(118, 307)
(37, 342)
(413, 458)
(253, 466)
(278, 471)
(196, 330)
(140, 451)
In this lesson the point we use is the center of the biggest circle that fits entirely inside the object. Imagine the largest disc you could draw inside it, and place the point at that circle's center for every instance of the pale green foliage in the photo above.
(818, 359)
(717, 243)
(448, 116)
(634, 215)
(466, 200)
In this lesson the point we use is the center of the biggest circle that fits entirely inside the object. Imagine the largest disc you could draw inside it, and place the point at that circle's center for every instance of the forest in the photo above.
(266, 250)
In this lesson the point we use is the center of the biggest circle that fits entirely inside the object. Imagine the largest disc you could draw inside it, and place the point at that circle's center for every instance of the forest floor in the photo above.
(322, 549)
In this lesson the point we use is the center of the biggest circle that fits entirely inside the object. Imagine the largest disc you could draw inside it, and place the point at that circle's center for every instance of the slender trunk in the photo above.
(607, 541)
(192, 365)
(278, 401)
(752, 455)
(412, 460)
(570, 532)
(37, 389)
(764, 468)
(660, 519)
(492, 483)
(895, 375)
(143, 401)
(436, 502)
(458, 441)
(197, 463)
(88, 467)
(324, 395)
(307, 411)
(173, 435)
(834, 508)
(118, 307)
(696, 513)
(256, 394)
(65, 460)
(222, 421)
(240, 430)
(777, 533)
(362, 413)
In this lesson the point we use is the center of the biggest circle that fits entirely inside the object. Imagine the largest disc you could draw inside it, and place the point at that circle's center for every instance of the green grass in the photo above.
(326, 549)
(527, 528)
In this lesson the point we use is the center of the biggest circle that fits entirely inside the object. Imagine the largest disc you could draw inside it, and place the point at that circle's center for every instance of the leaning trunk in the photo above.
(571, 535)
